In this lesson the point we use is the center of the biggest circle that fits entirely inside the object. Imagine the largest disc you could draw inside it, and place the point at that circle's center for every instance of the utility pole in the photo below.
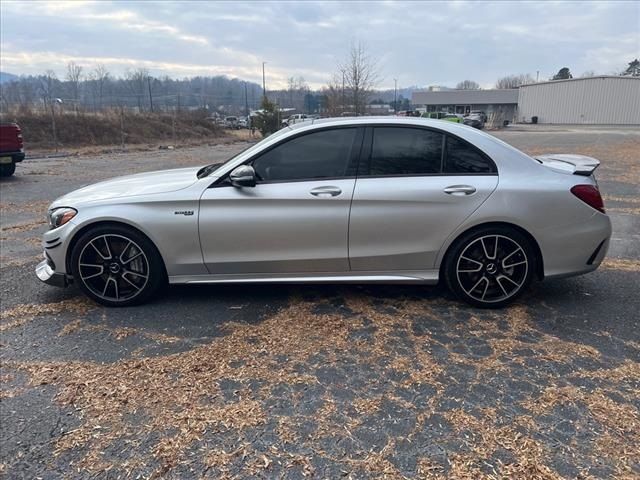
(122, 127)
(537, 75)
(246, 100)
(395, 96)
(150, 96)
(264, 84)
(343, 99)
(53, 123)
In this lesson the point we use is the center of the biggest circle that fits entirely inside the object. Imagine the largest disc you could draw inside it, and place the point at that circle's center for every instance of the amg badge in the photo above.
(186, 213)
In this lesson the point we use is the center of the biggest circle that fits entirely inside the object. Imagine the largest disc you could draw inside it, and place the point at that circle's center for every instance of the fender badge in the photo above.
(186, 213)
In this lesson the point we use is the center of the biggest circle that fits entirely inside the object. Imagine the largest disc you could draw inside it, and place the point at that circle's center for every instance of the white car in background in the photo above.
(293, 119)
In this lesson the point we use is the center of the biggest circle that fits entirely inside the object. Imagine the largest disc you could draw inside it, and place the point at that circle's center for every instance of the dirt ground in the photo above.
(271, 381)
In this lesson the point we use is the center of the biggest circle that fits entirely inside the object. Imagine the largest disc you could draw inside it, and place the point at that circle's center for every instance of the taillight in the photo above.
(590, 195)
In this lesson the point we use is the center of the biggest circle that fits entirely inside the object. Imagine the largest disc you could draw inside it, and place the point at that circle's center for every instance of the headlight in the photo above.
(60, 216)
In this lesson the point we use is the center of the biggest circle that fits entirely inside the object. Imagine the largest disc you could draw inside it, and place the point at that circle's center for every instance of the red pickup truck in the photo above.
(11, 148)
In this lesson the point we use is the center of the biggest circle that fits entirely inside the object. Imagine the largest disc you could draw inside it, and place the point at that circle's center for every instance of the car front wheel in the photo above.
(490, 267)
(117, 266)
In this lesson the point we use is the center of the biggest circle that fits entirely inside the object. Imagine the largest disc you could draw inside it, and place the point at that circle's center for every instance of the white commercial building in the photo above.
(495, 103)
(604, 100)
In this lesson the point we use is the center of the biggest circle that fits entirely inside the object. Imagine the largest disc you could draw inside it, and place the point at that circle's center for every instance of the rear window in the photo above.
(462, 157)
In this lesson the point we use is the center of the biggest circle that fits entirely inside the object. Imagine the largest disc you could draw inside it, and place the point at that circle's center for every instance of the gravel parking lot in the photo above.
(271, 381)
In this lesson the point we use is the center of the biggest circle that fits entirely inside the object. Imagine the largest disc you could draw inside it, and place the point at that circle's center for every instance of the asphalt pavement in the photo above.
(281, 381)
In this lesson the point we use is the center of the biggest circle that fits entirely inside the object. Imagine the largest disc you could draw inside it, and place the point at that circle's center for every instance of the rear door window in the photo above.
(405, 151)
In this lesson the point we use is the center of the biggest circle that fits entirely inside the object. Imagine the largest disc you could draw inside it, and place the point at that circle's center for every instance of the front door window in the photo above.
(318, 155)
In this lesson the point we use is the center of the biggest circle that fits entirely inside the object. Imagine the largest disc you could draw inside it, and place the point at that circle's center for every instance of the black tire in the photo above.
(479, 280)
(7, 169)
(120, 259)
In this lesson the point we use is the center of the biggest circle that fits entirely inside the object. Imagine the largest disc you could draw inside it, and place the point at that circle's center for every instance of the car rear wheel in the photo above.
(117, 266)
(7, 169)
(490, 267)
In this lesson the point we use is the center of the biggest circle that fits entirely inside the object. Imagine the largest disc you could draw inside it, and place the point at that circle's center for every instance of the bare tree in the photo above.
(21, 93)
(100, 77)
(514, 81)
(297, 88)
(360, 77)
(137, 81)
(27, 95)
(74, 77)
(47, 85)
(332, 94)
(468, 85)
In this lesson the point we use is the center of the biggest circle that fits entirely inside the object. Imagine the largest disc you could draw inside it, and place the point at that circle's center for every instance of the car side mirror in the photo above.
(243, 176)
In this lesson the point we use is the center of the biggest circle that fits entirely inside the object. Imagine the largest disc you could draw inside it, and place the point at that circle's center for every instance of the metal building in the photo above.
(501, 104)
(603, 100)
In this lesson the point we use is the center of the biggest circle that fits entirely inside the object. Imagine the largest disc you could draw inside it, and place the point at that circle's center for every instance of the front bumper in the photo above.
(46, 273)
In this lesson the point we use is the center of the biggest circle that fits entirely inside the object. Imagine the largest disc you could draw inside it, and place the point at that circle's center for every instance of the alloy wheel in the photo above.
(113, 267)
(492, 268)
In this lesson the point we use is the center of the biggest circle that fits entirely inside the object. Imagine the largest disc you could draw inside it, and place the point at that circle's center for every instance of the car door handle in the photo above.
(327, 191)
(460, 190)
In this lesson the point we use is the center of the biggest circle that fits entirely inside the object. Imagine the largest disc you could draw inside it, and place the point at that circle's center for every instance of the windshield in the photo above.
(209, 169)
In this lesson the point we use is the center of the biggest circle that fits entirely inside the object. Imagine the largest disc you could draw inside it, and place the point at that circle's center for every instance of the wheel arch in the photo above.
(105, 223)
(539, 260)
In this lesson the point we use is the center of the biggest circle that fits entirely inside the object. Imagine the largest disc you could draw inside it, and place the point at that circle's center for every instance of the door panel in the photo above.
(276, 227)
(400, 223)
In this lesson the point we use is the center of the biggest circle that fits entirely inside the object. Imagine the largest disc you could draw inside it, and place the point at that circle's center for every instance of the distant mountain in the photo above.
(7, 77)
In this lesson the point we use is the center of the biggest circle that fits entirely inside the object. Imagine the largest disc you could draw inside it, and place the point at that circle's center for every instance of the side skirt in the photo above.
(429, 277)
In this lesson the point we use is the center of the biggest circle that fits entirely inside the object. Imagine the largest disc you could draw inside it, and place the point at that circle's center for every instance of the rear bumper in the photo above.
(16, 156)
(576, 249)
(46, 273)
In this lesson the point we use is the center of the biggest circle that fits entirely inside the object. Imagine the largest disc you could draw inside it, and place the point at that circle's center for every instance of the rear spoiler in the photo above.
(569, 163)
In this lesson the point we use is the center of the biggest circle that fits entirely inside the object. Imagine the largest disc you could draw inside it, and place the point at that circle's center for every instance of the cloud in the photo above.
(419, 43)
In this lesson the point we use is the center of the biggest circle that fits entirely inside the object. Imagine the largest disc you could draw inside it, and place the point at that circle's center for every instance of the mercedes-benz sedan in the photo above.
(338, 200)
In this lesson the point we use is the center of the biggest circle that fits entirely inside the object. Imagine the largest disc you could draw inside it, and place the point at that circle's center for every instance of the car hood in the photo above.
(148, 183)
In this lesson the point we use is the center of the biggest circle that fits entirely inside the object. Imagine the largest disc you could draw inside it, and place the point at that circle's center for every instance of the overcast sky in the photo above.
(419, 43)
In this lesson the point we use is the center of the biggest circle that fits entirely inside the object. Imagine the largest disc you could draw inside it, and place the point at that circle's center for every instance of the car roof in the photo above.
(313, 124)
(508, 158)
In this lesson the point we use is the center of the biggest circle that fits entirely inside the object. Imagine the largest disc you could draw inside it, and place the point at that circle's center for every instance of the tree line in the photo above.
(97, 90)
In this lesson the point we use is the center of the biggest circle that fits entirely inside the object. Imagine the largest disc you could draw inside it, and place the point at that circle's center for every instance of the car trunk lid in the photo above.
(569, 163)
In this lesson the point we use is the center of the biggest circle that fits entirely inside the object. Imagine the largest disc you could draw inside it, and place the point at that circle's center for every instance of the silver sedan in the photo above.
(338, 200)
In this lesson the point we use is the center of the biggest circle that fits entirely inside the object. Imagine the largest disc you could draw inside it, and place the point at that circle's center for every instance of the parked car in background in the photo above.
(338, 200)
(475, 121)
(243, 122)
(479, 113)
(434, 115)
(231, 122)
(11, 148)
(408, 113)
(453, 117)
(293, 119)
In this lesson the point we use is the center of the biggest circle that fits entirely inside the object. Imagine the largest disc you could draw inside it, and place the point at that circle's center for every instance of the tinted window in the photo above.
(405, 151)
(463, 158)
(316, 155)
